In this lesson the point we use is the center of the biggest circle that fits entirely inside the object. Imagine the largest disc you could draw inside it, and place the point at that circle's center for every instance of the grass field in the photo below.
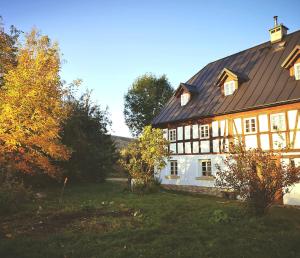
(103, 220)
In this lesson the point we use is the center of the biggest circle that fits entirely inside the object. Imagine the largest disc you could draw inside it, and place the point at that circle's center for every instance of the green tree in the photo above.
(144, 158)
(256, 176)
(144, 100)
(86, 133)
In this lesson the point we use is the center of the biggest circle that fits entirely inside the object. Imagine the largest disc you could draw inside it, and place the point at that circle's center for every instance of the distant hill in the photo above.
(121, 142)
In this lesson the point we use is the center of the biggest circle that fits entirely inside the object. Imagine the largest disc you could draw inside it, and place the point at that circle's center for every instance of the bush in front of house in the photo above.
(144, 158)
(256, 176)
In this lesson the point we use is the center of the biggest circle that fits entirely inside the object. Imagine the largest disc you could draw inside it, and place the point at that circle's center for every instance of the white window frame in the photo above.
(208, 167)
(229, 88)
(297, 71)
(275, 118)
(204, 128)
(173, 168)
(172, 135)
(245, 125)
(184, 98)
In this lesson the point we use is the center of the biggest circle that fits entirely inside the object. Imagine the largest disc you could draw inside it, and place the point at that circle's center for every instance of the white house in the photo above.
(253, 95)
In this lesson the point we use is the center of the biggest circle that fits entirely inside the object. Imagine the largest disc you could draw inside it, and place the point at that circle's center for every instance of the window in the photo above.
(172, 135)
(250, 125)
(184, 98)
(174, 167)
(297, 71)
(229, 88)
(292, 163)
(205, 167)
(278, 122)
(204, 131)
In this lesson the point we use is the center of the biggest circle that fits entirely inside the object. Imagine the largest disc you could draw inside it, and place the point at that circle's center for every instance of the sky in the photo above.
(109, 43)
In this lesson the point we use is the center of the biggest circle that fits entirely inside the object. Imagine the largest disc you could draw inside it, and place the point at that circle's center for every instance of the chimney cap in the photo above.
(275, 21)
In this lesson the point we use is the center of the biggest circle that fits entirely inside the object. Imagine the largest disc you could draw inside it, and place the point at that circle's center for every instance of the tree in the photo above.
(256, 176)
(32, 110)
(145, 157)
(144, 100)
(86, 133)
(8, 49)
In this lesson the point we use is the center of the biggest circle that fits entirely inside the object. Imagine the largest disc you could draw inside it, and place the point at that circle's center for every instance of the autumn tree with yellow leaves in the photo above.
(32, 110)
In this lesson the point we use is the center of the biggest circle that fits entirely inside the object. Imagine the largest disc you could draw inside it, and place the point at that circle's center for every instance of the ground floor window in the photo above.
(174, 167)
(205, 166)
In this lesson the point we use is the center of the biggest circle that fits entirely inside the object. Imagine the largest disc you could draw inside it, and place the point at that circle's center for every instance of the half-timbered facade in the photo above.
(252, 96)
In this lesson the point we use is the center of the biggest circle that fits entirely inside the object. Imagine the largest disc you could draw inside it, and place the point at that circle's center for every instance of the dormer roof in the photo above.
(229, 73)
(185, 87)
(292, 57)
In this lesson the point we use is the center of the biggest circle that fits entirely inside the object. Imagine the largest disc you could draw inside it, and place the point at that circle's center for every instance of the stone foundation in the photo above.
(194, 189)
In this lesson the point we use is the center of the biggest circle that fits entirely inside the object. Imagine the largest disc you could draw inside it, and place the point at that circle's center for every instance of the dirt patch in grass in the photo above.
(98, 220)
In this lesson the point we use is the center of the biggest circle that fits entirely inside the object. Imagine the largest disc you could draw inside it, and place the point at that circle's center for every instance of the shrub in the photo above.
(13, 194)
(219, 217)
(257, 177)
(144, 158)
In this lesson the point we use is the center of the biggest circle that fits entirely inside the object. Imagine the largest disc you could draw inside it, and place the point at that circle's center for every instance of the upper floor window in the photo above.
(172, 135)
(205, 165)
(229, 88)
(250, 125)
(204, 131)
(277, 122)
(184, 98)
(174, 167)
(297, 71)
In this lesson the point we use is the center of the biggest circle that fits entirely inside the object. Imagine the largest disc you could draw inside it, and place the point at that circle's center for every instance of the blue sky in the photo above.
(110, 43)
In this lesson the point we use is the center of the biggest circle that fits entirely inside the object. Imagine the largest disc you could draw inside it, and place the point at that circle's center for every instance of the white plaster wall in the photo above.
(180, 148)
(196, 147)
(296, 140)
(264, 141)
(187, 147)
(215, 128)
(180, 133)
(250, 141)
(195, 131)
(279, 137)
(187, 132)
(222, 127)
(237, 129)
(263, 123)
(173, 147)
(189, 169)
(292, 118)
(216, 147)
(204, 146)
(293, 197)
(165, 133)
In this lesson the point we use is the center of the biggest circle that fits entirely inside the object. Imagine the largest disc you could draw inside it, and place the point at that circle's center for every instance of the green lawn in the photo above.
(103, 220)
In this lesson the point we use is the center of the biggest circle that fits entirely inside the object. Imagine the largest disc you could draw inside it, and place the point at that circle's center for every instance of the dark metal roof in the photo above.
(267, 84)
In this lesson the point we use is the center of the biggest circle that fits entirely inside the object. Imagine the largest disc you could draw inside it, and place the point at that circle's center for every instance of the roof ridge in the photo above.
(247, 49)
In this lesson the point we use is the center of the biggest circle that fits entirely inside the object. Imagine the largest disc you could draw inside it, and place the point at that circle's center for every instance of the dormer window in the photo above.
(297, 71)
(292, 63)
(185, 92)
(229, 88)
(230, 81)
(184, 98)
